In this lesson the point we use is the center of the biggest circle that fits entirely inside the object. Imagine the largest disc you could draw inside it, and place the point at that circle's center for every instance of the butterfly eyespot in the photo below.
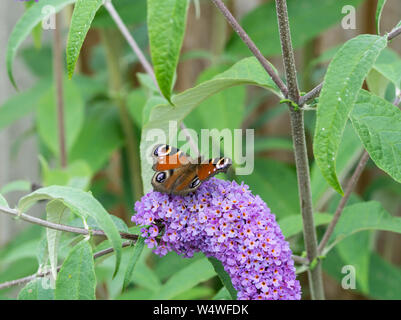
(162, 150)
(222, 163)
(161, 177)
(194, 183)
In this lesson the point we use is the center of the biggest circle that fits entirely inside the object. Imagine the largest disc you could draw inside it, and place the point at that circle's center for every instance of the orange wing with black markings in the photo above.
(177, 173)
(167, 158)
(212, 167)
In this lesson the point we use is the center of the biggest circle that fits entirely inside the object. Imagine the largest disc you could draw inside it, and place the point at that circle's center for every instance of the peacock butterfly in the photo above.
(177, 173)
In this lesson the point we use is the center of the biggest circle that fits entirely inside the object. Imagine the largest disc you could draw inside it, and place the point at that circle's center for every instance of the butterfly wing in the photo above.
(176, 174)
(194, 175)
(167, 158)
(212, 167)
(174, 170)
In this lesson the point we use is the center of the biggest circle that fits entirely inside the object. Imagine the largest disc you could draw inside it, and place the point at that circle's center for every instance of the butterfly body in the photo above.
(177, 173)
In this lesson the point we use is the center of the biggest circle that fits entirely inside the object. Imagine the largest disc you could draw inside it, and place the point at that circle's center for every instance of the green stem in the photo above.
(111, 40)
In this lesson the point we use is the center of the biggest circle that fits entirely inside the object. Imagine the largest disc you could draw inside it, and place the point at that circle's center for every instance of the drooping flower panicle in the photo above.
(223, 220)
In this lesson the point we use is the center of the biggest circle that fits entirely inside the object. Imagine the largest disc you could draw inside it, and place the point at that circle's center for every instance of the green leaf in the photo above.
(145, 277)
(37, 30)
(389, 65)
(224, 277)
(378, 124)
(355, 250)
(46, 117)
(37, 289)
(26, 24)
(384, 279)
(196, 293)
(148, 84)
(3, 201)
(142, 277)
(292, 225)
(76, 279)
(87, 146)
(275, 183)
(77, 174)
(18, 185)
(42, 252)
(223, 294)
(83, 204)
(377, 83)
(21, 248)
(131, 12)
(22, 103)
(185, 279)
(363, 216)
(169, 264)
(135, 294)
(136, 101)
(56, 212)
(90, 87)
(379, 10)
(227, 107)
(150, 104)
(307, 19)
(348, 155)
(245, 72)
(342, 83)
(166, 25)
(84, 12)
(20, 252)
(38, 61)
(92, 224)
(135, 254)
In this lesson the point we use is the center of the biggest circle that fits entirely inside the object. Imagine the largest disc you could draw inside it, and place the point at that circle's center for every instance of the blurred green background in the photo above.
(98, 159)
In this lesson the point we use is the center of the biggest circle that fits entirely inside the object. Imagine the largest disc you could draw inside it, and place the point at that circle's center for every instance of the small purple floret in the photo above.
(224, 220)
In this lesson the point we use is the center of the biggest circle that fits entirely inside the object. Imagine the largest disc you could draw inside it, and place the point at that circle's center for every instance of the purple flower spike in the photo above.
(224, 220)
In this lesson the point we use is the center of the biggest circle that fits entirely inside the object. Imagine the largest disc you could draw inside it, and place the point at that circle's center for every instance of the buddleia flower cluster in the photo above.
(226, 221)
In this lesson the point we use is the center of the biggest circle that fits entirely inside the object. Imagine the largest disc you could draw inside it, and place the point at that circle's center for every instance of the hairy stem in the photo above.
(141, 57)
(300, 152)
(60, 227)
(251, 45)
(288, 52)
(316, 91)
(310, 95)
(305, 195)
(22, 281)
(58, 78)
(131, 41)
(350, 187)
(395, 32)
